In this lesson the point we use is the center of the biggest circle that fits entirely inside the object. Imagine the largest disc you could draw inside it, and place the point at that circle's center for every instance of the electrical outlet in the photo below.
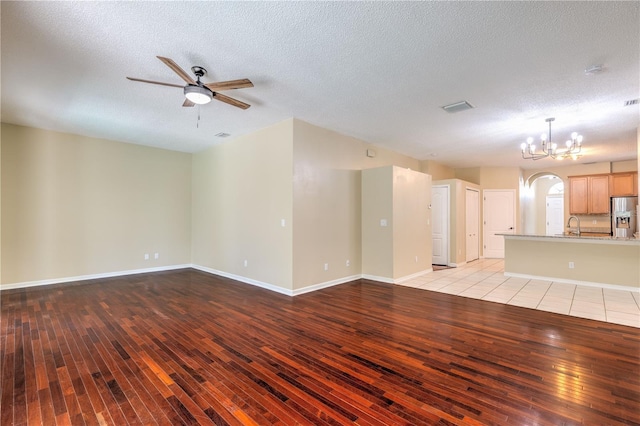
(156, 256)
(326, 266)
(246, 263)
(348, 262)
(571, 265)
(416, 259)
(146, 256)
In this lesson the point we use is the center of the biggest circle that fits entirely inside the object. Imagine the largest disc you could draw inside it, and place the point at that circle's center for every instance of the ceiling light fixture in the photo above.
(550, 149)
(198, 94)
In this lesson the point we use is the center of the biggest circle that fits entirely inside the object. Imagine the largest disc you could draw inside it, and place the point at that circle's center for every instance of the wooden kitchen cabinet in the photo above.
(578, 190)
(623, 184)
(589, 194)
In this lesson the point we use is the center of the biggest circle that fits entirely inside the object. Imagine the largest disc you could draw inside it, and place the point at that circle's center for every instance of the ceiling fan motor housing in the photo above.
(199, 72)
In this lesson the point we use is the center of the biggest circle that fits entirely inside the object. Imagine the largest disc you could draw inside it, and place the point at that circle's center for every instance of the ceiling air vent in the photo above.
(632, 102)
(222, 135)
(457, 107)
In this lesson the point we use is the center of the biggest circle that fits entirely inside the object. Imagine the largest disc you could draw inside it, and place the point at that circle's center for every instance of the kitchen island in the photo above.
(588, 260)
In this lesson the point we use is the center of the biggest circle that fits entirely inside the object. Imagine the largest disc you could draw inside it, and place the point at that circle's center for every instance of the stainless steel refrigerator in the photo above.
(624, 216)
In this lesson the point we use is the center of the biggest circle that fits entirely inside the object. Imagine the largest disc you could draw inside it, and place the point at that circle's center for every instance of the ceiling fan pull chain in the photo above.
(198, 122)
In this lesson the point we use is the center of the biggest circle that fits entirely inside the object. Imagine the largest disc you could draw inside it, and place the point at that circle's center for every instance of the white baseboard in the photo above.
(395, 280)
(277, 289)
(245, 280)
(412, 276)
(576, 282)
(326, 284)
(90, 277)
(377, 278)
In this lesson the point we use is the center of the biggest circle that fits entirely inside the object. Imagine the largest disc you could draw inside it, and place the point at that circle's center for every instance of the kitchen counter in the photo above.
(582, 238)
(602, 261)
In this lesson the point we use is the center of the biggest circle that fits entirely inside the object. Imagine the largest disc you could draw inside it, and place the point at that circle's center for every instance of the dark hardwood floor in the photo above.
(185, 347)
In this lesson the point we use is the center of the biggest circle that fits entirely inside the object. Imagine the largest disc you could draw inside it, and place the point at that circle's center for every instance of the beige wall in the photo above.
(74, 206)
(412, 248)
(436, 170)
(550, 259)
(242, 191)
(624, 166)
(401, 197)
(377, 205)
(326, 201)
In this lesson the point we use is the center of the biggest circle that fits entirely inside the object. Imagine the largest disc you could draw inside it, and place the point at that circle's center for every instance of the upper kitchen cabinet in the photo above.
(589, 194)
(623, 184)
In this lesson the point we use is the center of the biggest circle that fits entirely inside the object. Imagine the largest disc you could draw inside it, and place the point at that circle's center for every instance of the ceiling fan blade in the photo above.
(176, 68)
(188, 103)
(231, 84)
(230, 101)
(155, 82)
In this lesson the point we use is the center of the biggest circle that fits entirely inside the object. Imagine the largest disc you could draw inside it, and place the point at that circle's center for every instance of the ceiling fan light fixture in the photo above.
(197, 94)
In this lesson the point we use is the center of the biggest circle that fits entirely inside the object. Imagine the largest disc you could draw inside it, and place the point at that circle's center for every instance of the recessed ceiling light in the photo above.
(457, 107)
(222, 135)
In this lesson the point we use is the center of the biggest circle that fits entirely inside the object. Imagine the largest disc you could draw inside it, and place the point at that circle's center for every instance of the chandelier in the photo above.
(550, 149)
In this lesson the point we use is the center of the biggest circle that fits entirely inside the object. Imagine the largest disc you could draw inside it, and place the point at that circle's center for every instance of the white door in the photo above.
(499, 218)
(472, 224)
(440, 226)
(555, 215)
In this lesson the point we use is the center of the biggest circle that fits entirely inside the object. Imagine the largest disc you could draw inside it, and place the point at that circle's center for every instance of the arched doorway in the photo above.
(543, 204)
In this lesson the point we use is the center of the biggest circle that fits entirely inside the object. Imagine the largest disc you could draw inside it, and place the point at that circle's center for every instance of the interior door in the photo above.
(472, 224)
(499, 218)
(440, 225)
(555, 215)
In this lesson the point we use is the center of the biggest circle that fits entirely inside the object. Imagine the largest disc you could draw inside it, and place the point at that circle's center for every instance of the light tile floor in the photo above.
(484, 279)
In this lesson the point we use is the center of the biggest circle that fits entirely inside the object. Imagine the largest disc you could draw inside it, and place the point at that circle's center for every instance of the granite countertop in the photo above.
(578, 238)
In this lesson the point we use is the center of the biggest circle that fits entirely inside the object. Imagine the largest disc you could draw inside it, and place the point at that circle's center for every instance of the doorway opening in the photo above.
(543, 204)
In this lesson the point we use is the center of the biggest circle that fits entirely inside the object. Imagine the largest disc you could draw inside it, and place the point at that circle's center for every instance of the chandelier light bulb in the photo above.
(550, 149)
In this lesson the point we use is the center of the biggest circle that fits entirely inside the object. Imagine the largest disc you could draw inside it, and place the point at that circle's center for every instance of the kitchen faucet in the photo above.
(577, 220)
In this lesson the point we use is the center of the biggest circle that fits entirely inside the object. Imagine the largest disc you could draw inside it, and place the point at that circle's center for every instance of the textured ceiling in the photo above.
(378, 71)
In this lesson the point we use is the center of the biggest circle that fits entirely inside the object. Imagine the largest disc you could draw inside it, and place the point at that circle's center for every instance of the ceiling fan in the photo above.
(200, 93)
